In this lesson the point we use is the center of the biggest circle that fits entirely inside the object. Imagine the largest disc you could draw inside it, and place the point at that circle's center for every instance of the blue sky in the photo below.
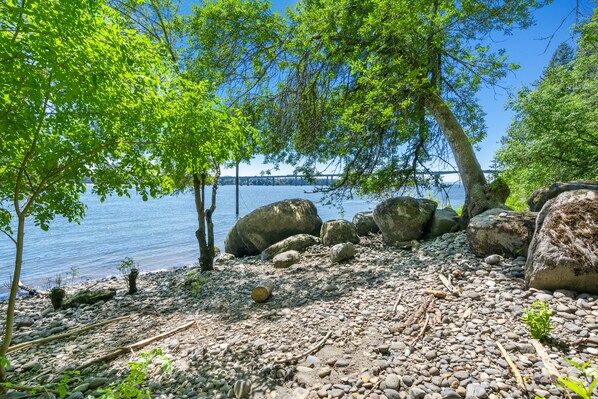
(526, 48)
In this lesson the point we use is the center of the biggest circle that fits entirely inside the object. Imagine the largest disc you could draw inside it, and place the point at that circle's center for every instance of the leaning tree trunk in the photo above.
(12, 299)
(479, 197)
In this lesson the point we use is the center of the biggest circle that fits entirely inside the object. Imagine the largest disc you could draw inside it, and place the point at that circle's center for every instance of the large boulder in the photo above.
(337, 231)
(539, 197)
(89, 297)
(500, 231)
(445, 220)
(365, 224)
(296, 243)
(270, 224)
(403, 218)
(564, 251)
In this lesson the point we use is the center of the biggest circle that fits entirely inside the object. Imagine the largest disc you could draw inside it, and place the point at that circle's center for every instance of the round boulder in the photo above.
(502, 232)
(341, 252)
(270, 224)
(365, 224)
(286, 259)
(296, 242)
(444, 221)
(337, 231)
(564, 251)
(403, 218)
(539, 197)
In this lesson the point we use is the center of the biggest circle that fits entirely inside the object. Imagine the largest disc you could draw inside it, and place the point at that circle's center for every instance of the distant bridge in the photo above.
(301, 180)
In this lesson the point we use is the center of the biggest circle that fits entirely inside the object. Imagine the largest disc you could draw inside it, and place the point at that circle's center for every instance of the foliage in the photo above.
(553, 136)
(364, 82)
(126, 265)
(4, 362)
(195, 281)
(584, 386)
(537, 318)
(129, 387)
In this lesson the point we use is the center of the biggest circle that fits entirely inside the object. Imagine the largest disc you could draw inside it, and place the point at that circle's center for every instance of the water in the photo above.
(157, 234)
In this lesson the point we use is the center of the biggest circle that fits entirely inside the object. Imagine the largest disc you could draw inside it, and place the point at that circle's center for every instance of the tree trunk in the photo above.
(206, 256)
(479, 197)
(12, 299)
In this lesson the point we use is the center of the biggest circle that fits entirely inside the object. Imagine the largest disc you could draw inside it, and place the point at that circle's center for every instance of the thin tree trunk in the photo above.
(12, 299)
(205, 260)
(478, 196)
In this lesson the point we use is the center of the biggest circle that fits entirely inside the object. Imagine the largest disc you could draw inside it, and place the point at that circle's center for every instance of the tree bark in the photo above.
(206, 257)
(479, 197)
(12, 299)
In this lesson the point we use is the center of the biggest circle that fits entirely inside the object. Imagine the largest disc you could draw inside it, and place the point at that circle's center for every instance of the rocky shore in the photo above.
(330, 330)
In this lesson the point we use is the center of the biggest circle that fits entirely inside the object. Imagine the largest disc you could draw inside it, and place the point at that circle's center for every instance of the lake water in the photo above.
(159, 233)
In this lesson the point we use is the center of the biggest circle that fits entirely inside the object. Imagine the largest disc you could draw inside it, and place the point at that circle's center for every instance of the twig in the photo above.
(438, 294)
(447, 283)
(313, 349)
(513, 367)
(26, 388)
(31, 291)
(552, 371)
(428, 302)
(136, 345)
(421, 332)
(396, 305)
(63, 335)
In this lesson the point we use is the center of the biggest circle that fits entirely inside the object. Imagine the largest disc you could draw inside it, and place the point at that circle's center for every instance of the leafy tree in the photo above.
(78, 93)
(200, 133)
(385, 90)
(553, 136)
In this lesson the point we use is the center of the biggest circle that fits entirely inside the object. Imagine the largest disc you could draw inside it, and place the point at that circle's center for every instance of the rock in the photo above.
(32, 365)
(500, 231)
(392, 381)
(87, 297)
(97, 382)
(494, 259)
(286, 259)
(450, 394)
(242, 389)
(299, 393)
(341, 252)
(564, 250)
(392, 394)
(270, 224)
(403, 218)
(365, 224)
(537, 200)
(417, 393)
(475, 391)
(296, 243)
(338, 231)
(443, 221)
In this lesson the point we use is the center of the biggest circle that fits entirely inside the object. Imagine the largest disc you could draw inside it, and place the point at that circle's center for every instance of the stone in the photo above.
(297, 242)
(539, 197)
(392, 381)
(392, 394)
(32, 365)
(502, 232)
(242, 389)
(494, 259)
(564, 250)
(403, 219)
(443, 221)
(338, 231)
(416, 393)
(365, 224)
(450, 394)
(341, 252)
(89, 297)
(270, 224)
(299, 393)
(97, 382)
(475, 391)
(286, 259)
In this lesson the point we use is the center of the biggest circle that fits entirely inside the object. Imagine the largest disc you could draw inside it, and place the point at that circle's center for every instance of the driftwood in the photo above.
(310, 255)
(31, 291)
(548, 365)
(137, 345)
(262, 292)
(396, 305)
(438, 294)
(423, 308)
(421, 332)
(513, 367)
(447, 283)
(311, 350)
(37, 388)
(27, 344)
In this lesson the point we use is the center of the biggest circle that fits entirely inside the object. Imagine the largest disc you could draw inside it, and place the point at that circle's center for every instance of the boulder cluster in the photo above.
(558, 237)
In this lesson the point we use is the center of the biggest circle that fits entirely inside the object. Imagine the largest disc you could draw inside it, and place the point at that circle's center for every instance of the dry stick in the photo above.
(552, 371)
(447, 283)
(513, 367)
(421, 332)
(26, 388)
(313, 349)
(396, 305)
(63, 335)
(316, 254)
(416, 315)
(136, 345)
(31, 291)
(438, 294)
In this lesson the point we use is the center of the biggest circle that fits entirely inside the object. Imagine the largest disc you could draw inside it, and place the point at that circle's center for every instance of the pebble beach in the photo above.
(382, 325)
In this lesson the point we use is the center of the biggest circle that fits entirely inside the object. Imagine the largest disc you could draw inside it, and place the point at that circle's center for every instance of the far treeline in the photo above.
(136, 95)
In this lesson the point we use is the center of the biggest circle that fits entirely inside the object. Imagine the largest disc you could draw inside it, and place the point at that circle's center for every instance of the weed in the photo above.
(130, 271)
(584, 386)
(537, 318)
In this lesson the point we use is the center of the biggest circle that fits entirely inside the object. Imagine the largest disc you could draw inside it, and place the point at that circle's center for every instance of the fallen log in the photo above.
(130, 348)
(262, 292)
(67, 334)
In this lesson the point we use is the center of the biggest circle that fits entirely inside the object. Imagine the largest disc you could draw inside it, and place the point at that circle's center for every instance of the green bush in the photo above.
(583, 387)
(537, 318)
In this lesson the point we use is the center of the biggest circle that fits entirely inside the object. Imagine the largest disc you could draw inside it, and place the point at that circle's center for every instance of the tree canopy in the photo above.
(554, 135)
